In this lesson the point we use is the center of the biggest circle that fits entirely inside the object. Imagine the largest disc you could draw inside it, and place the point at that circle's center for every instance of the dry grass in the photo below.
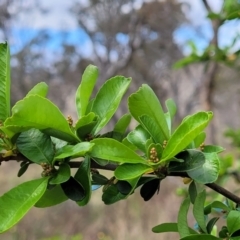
(125, 220)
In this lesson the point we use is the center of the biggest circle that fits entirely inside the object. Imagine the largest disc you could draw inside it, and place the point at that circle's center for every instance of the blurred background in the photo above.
(54, 41)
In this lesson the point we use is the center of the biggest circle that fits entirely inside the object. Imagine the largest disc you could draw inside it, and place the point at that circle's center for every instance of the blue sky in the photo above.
(60, 26)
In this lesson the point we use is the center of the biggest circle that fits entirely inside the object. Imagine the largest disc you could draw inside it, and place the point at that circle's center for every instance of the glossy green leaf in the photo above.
(152, 127)
(4, 81)
(62, 175)
(200, 138)
(108, 99)
(122, 124)
(40, 89)
(47, 118)
(129, 171)
(138, 138)
(182, 224)
(233, 221)
(208, 173)
(83, 176)
(85, 89)
(212, 148)
(112, 150)
(36, 146)
(51, 197)
(201, 237)
(198, 210)
(112, 194)
(192, 190)
(169, 227)
(85, 125)
(15, 203)
(193, 159)
(186, 133)
(74, 151)
(73, 189)
(145, 102)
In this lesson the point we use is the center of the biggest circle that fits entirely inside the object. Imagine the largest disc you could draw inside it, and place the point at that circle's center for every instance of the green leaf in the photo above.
(74, 151)
(182, 224)
(193, 159)
(4, 82)
(85, 125)
(112, 150)
(149, 189)
(233, 221)
(201, 237)
(15, 203)
(186, 133)
(23, 168)
(169, 227)
(40, 89)
(138, 138)
(208, 173)
(85, 89)
(112, 193)
(145, 102)
(51, 197)
(192, 190)
(152, 127)
(108, 99)
(122, 124)
(62, 175)
(198, 210)
(212, 148)
(220, 205)
(128, 171)
(83, 176)
(36, 146)
(73, 189)
(199, 139)
(211, 224)
(47, 118)
(172, 109)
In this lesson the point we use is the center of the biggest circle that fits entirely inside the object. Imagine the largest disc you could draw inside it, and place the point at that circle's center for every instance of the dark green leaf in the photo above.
(23, 169)
(15, 203)
(51, 197)
(192, 190)
(182, 224)
(200, 237)
(150, 188)
(73, 189)
(36, 146)
(99, 179)
(85, 89)
(193, 159)
(5, 81)
(112, 150)
(169, 227)
(211, 224)
(198, 210)
(62, 175)
(124, 187)
(83, 177)
(40, 89)
(108, 99)
(129, 171)
(145, 102)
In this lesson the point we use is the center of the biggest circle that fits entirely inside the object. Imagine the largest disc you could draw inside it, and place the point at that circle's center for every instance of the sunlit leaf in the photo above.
(4, 81)
(40, 89)
(62, 175)
(85, 89)
(122, 124)
(233, 221)
(15, 203)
